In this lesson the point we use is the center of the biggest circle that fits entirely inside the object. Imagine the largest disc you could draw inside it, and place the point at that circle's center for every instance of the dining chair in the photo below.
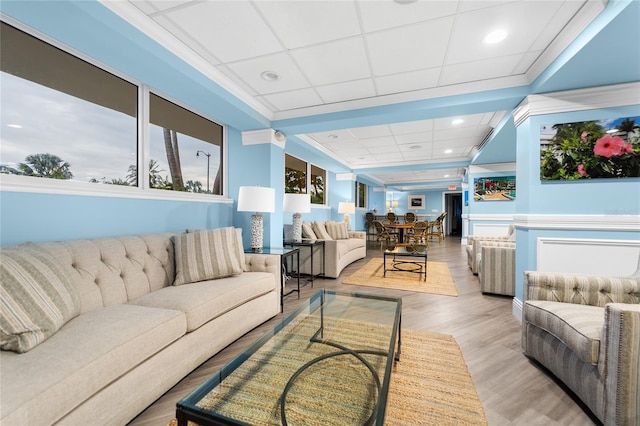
(369, 218)
(409, 217)
(419, 235)
(383, 235)
(436, 228)
(392, 217)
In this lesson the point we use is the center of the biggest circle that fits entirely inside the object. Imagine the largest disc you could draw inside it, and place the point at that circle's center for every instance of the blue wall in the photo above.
(608, 197)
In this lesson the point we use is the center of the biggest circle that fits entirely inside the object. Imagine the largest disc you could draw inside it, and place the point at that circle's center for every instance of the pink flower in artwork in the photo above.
(608, 146)
(582, 171)
(584, 135)
(627, 148)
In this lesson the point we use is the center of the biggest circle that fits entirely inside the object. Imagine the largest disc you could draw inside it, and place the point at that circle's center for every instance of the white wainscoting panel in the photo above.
(490, 229)
(588, 256)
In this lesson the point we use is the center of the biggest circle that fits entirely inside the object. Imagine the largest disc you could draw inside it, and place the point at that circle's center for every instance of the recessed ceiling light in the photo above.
(332, 136)
(448, 151)
(457, 121)
(495, 36)
(270, 76)
(446, 176)
(415, 147)
(14, 126)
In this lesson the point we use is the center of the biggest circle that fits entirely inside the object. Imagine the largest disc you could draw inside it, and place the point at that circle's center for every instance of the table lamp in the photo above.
(347, 208)
(259, 200)
(296, 204)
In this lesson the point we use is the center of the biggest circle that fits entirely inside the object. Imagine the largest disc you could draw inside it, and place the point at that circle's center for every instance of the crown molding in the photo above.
(577, 100)
(612, 222)
(494, 167)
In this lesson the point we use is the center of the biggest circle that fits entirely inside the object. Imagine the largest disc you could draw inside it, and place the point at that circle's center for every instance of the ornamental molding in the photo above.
(489, 217)
(494, 167)
(610, 222)
(346, 176)
(616, 95)
(262, 136)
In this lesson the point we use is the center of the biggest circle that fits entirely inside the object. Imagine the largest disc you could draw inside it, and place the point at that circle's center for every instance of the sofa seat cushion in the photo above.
(206, 300)
(84, 356)
(345, 246)
(577, 326)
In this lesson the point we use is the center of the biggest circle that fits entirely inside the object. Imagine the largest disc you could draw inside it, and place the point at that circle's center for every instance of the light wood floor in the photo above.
(513, 390)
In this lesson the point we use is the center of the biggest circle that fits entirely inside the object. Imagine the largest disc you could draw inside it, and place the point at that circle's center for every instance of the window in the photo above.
(62, 117)
(318, 179)
(295, 175)
(296, 182)
(185, 148)
(361, 195)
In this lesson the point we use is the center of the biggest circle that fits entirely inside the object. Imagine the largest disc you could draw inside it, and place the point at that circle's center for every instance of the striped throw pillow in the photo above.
(307, 231)
(37, 297)
(207, 255)
(320, 231)
(337, 230)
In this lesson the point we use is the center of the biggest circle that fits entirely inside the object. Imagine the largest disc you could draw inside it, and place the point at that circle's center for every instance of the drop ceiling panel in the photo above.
(348, 90)
(409, 48)
(408, 81)
(294, 99)
(250, 71)
(333, 62)
(304, 23)
(379, 15)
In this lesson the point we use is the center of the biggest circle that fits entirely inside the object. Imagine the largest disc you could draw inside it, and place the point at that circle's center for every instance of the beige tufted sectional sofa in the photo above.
(126, 333)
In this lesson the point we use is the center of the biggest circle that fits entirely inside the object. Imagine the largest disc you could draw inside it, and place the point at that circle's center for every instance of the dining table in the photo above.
(401, 228)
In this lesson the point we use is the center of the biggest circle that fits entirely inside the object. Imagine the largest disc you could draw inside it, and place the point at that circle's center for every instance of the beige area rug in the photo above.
(431, 385)
(439, 279)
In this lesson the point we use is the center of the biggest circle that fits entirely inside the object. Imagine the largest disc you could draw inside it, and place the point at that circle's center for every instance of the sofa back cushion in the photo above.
(112, 271)
(207, 255)
(320, 231)
(37, 297)
(307, 231)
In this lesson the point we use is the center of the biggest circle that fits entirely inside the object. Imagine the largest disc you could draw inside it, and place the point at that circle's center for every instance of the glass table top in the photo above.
(329, 361)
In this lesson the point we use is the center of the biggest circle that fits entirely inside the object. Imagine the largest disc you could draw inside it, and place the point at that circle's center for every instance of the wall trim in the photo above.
(262, 136)
(489, 217)
(346, 176)
(609, 222)
(9, 183)
(577, 100)
(517, 308)
(494, 167)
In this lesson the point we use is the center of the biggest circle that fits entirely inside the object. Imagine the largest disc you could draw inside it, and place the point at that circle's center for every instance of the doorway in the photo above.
(453, 207)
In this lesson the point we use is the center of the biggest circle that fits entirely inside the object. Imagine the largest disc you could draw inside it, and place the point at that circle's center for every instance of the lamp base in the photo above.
(256, 232)
(297, 227)
(346, 219)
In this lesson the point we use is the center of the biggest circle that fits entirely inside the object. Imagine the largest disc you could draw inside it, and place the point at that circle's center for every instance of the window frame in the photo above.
(31, 184)
(362, 204)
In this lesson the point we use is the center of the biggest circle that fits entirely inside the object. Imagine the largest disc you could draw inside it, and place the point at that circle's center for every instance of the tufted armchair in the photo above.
(474, 246)
(497, 268)
(586, 330)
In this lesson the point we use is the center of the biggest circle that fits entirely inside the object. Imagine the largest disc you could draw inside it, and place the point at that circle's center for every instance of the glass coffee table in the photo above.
(412, 258)
(328, 362)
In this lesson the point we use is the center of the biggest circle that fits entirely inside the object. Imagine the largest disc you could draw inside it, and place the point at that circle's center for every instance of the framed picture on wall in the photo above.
(416, 202)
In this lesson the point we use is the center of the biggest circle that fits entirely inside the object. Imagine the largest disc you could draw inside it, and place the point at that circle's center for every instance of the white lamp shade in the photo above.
(296, 203)
(346, 208)
(256, 199)
(394, 204)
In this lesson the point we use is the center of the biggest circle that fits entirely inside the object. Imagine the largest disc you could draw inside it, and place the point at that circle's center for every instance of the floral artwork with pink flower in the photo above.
(590, 150)
(608, 146)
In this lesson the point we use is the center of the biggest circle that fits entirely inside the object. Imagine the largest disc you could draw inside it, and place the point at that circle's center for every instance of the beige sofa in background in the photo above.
(133, 335)
(341, 248)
